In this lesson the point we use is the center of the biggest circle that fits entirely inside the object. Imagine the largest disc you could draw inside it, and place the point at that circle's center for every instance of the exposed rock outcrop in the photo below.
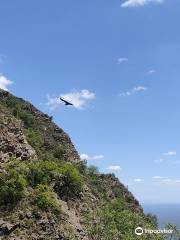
(13, 143)
(114, 188)
(7, 228)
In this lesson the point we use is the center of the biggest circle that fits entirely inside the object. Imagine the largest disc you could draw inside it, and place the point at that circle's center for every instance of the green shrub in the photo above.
(152, 219)
(11, 190)
(45, 198)
(82, 166)
(34, 139)
(27, 118)
(12, 102)
(71, 183)
(115, 221)
(16, 105)
(43, 172)
(12, 184)
(66, 178)
(175, 235)
(59, 151)
(92, 171)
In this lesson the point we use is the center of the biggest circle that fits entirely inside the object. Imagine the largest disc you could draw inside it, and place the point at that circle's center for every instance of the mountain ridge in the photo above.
(47, 192)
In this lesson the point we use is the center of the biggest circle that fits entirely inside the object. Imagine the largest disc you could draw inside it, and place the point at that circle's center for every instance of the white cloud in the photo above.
(150, 72)
(4, 82)
(167, 160)
(165, 180)
(114, 168)
(122, 60)
(138, 180)
(138, 89)
(171, 153)
(78, 99)
(159, 160)
(97, 157)
(138, 3)
(85, 156)
(133, 90)
(157, 177)
(53, 102)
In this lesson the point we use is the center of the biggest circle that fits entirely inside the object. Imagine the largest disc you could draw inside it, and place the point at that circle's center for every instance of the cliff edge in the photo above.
(47, 192)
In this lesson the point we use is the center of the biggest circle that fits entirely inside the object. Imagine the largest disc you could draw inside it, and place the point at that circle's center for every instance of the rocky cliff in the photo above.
(51, 133)
(46, 192)
(13, 143)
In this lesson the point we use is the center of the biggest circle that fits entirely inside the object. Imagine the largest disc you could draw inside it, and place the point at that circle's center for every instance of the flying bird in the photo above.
(66, 102)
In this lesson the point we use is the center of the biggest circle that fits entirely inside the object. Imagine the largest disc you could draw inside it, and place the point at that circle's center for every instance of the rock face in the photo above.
(13, 143)
(6, 228)
(114, 189)
(51, 133)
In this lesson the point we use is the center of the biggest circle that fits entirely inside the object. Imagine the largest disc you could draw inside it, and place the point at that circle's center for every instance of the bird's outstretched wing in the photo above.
(66, 102)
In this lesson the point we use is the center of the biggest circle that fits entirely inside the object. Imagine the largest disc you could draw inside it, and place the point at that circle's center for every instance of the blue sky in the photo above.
(119, 63)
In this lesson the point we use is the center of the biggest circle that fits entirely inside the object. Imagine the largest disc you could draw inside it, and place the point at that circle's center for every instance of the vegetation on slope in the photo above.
(49, 180)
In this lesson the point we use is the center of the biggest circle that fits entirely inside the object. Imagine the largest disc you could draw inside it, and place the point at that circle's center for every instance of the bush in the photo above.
(92, 170)
(12, 184)
(65, 178)
(18, 112)
(34, 139)
(43, 172)
(152, 219)
(115, 221)
(82, 166)
(27, 118)
(92, 173)
(45, 198)
(11, 190)
(12, 102)
(71, 183)
(59, 151)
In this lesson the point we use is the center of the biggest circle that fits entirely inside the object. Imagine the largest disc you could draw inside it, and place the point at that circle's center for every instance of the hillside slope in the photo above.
(46, 192)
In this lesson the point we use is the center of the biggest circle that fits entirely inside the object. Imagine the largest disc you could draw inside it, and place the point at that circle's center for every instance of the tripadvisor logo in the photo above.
(139, 231)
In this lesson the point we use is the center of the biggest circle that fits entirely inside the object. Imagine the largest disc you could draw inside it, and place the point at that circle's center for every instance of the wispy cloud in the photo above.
(122, 60)
(157, 177)
(133, 90)
(151, 71)
(139, 3)
(170, 153)
(138, 180)
(4, 82)
(165, 158)
(85, 156)
(78, 99)
(114, 168)
(165, 180)
(159, 160)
